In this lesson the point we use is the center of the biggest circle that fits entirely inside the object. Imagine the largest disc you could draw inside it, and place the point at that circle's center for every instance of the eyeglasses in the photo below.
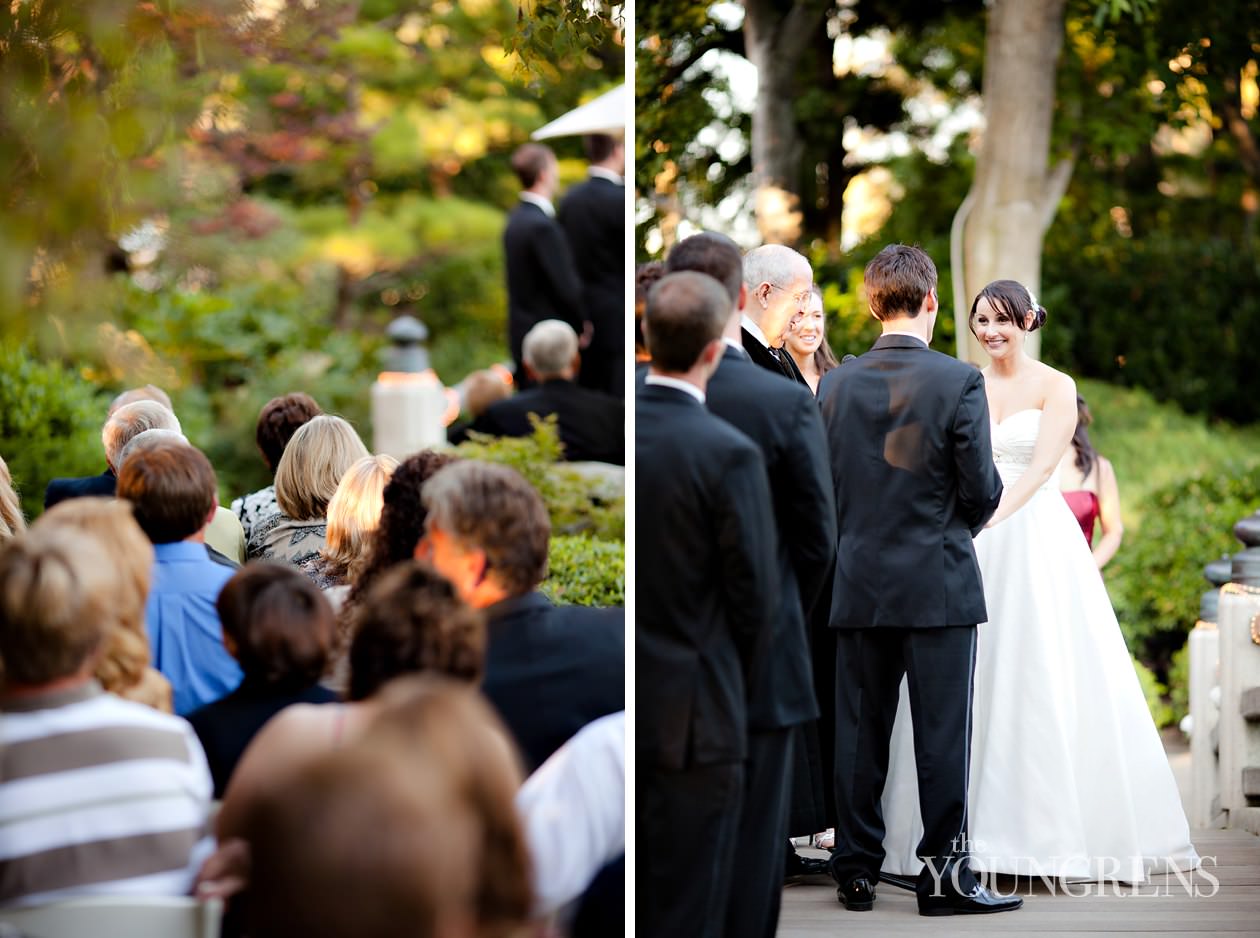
(800, 298)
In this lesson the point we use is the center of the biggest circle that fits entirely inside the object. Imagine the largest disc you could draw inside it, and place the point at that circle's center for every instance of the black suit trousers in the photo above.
(939, 664)
(757, 889)
(686, 846)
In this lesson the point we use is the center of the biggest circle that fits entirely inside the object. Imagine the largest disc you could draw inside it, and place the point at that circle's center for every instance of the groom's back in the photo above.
(912, 467)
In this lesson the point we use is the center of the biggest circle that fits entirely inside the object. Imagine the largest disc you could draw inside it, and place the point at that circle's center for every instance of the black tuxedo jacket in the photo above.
(760, 355)
(60, 489)
(707, 574)
(913, 471)
(783, 420)
(593, 215)
(592, 425)
(552, 669)
(542, 281)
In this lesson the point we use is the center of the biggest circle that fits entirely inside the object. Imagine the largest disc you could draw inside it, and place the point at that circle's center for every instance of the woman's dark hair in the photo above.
(282, 625)
(413, 621)
(278, 420)
(645, 277)
(402, 522)
(1086, 455)
(1010, 297)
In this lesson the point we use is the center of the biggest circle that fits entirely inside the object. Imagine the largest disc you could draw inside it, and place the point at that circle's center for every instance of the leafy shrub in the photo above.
(1179, 684)
(586, 572)
(1156, 579)
(50, 424)
(1154, 692)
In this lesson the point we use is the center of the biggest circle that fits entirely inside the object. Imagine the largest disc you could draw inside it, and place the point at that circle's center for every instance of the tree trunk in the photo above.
(1014, 194)
(775, 37)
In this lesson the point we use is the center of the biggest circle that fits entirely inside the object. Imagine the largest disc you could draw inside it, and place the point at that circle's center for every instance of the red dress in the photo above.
(1085, 506)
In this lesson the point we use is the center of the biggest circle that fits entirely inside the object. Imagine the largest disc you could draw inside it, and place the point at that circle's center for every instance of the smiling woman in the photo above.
(806, 341)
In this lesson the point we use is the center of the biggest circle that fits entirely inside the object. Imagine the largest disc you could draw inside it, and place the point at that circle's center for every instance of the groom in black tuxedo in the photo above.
(707, 567)
(914, 477)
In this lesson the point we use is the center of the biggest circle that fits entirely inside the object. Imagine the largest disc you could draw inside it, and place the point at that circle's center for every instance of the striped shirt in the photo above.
(98, 796)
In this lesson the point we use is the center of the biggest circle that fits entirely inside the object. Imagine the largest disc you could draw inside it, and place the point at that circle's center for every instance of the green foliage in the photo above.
(1179, 684)
(50, 424)
(1154, 693)
(586, 572)
(576, 503)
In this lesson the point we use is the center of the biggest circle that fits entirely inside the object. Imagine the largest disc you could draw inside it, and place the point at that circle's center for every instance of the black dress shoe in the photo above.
(799, 867)
(857, 895)
(978, 901)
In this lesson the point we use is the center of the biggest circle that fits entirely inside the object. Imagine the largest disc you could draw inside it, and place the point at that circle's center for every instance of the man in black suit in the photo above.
(550, 669)
(914, 477)
(782, 419)
(592, 425)
(777, 281)
(129, 419)
(593, 215)
(707, 568)
(542, 279)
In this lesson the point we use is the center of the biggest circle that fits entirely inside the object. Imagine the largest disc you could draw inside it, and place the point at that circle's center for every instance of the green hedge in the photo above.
(586, 572)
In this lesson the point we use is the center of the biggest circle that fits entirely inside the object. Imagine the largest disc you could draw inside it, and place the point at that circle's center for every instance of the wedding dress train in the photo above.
(1068, 777)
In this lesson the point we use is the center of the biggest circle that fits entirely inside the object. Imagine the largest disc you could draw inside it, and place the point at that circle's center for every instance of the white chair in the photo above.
(118, 917)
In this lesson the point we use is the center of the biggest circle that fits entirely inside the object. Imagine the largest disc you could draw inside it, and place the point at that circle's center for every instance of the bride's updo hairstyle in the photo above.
(1012, 298)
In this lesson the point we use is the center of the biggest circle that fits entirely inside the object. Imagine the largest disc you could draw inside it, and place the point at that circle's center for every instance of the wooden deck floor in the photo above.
(1162, 907)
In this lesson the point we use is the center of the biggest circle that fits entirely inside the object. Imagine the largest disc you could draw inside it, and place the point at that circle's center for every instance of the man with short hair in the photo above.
(591, 424)
(123, 423)
(593, 215)
(550, 669)
(777, 280)
(782, 419)
(174, 493)
(542, 279)
(912, 467)
(707, 566)
(98, 795)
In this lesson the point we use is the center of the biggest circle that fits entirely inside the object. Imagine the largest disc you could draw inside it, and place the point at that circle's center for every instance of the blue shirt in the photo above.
(184, 631)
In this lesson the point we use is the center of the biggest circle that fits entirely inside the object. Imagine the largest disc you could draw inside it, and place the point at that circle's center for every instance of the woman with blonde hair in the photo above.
(354, 513)
(307, 477)
(12, 521)
(124, 667)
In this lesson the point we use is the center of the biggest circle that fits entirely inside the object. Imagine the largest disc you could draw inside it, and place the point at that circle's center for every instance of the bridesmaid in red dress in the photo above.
(1089, 484)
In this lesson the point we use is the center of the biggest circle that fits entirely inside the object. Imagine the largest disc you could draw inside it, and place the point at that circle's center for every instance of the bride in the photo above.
(1068, 776)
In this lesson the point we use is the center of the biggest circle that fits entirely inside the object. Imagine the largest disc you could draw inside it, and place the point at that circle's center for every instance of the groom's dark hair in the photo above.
(713, 254)
(685, 312)
(897, 279)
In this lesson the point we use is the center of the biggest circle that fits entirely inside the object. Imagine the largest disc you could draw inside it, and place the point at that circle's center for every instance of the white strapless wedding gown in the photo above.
(1068, 775)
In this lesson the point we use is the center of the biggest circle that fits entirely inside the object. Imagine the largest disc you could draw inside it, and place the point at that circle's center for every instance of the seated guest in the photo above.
(278, 420)
(149, 392)
(550, 669)
(318, 455)
(280, 629)
(174, 493)
(225, 540)
(12, 521)
(123, 666)
(411, 622)
(478, 391)
(354, 513)
(432, 772)
(592, 425)
(574, 812)
(402, 523)
(80, 814)
(122, 424)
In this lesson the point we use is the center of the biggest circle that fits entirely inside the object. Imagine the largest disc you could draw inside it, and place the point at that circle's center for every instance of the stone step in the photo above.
(1249, 704)
(1251, 781)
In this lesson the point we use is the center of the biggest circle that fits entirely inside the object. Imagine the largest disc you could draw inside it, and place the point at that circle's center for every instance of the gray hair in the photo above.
(129, 421)
(148, 440)
(549, 347)
(773, 263)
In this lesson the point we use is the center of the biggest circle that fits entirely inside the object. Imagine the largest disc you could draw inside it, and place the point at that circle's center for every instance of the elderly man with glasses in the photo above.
(777, 280)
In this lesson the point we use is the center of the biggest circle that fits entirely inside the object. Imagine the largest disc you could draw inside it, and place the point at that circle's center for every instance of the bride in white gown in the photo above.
(1068, 775)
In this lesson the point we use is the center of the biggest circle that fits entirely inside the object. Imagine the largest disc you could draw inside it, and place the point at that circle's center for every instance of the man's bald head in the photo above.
(685, 312)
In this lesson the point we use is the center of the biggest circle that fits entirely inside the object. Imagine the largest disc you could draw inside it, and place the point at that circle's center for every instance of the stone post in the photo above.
(1205, 693)
(408, 401)
(1240, 682)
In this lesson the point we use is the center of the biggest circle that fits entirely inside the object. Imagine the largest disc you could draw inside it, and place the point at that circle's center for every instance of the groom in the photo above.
(913, 470)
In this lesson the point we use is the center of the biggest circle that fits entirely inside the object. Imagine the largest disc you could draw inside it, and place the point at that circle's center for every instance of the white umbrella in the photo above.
(605, 115)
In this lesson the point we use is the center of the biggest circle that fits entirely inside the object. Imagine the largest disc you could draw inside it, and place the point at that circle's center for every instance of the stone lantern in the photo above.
(409, 404)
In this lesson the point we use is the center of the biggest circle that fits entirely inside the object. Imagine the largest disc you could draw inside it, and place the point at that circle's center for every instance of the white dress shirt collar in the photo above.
(677, 384)
(753, 329)
(601, 173)
(909, 335)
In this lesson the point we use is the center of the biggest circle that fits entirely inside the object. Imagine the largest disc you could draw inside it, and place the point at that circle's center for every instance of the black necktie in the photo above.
(781, 358)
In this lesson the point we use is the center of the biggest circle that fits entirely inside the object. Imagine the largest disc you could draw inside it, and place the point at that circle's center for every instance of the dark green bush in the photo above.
(1156, 578)
(50, 424)
(586, 572)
